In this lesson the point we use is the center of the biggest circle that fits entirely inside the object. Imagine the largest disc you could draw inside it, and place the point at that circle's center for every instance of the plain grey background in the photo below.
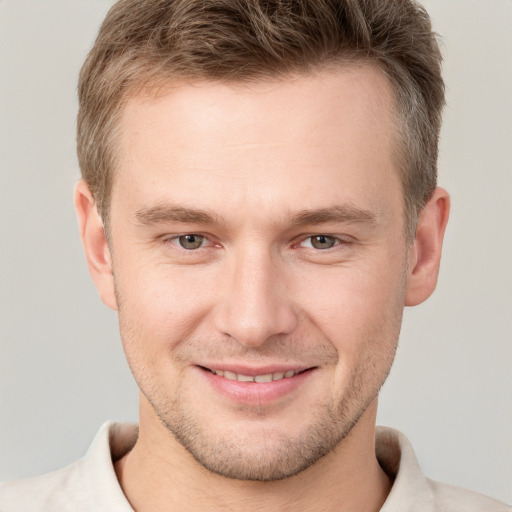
(62, 370)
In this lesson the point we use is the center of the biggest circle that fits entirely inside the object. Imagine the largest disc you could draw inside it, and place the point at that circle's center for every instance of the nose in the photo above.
(255, 304)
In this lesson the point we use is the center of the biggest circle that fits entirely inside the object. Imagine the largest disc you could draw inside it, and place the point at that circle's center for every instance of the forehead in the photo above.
(327, 135)
(354, 90)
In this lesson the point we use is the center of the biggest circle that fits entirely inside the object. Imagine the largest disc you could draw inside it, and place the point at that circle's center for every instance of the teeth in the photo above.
(245, 378)
(263, 378)
(268, 377)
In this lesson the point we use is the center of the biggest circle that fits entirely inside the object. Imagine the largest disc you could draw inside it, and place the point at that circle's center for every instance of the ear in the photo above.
(425, 251)
(95, 244)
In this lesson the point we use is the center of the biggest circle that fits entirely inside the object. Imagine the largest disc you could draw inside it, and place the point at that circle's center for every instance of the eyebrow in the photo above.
(340, 214)
(161, 214)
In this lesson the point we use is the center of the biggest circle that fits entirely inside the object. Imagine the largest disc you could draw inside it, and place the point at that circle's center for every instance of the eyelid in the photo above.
(172, 239)
(210, 242)
(340, 240)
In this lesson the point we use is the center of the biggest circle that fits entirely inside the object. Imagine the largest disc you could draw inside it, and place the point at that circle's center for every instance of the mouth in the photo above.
(256, 387)
(257, 378)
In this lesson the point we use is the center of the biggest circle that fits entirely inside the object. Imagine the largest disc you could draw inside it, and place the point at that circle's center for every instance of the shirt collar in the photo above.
(410, 491)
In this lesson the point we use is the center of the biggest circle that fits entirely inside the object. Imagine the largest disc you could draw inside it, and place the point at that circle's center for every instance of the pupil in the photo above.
(322, 242)
(191, 241)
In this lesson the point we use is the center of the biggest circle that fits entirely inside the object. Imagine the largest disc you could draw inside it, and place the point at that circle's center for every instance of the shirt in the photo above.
(91, 485)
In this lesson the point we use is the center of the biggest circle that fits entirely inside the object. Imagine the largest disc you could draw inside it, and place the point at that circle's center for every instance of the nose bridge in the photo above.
(255, 305)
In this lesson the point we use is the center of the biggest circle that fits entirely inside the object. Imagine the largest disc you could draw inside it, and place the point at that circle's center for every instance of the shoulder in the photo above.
(412, 490)
(89, 484)
(450, 498)
(59, 490)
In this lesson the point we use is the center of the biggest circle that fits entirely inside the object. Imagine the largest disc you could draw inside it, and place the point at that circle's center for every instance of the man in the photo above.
(259, 203)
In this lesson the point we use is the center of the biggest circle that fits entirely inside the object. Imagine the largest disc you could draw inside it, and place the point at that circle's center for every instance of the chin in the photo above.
(261, 450)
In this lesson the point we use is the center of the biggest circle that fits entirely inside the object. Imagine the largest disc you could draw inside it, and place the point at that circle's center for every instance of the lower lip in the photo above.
(257, 393)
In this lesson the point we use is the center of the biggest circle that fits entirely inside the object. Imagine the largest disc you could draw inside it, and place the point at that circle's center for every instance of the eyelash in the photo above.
(337, 241)
(174, 240)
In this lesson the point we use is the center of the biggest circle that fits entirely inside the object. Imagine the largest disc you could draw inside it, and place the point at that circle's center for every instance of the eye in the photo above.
(190, 241)
(321, 242)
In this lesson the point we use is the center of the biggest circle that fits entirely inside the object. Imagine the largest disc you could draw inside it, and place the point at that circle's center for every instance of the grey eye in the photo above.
(191, 242)
(322, 241)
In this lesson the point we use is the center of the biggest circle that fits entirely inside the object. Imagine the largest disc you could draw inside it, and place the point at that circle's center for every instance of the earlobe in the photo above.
(425, 252)
(95, 244)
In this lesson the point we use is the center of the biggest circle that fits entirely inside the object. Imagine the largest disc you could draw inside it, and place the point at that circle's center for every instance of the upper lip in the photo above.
(253, 371)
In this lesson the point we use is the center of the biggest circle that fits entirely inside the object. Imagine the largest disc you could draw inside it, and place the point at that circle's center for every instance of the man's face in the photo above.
(260, 263)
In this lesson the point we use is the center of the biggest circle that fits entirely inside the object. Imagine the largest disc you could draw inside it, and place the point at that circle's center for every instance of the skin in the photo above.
(270, 166)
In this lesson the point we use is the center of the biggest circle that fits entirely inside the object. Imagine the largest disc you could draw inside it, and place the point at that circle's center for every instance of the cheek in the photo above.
(346, 299)
(359, 311)
(159, 307)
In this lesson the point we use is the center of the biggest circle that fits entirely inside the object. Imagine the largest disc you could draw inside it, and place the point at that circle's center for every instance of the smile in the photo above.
(267, 377)
(256, 387)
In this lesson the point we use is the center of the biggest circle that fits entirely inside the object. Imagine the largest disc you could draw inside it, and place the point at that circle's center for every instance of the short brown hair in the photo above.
(144, 43)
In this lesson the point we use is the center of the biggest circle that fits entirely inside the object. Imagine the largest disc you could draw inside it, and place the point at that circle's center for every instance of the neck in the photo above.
(160, 475)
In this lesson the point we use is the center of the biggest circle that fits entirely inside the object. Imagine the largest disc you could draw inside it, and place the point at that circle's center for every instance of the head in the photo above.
(266, 176)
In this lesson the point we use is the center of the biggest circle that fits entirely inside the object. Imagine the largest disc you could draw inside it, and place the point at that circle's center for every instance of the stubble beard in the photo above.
(275, 455)
(272, 457)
